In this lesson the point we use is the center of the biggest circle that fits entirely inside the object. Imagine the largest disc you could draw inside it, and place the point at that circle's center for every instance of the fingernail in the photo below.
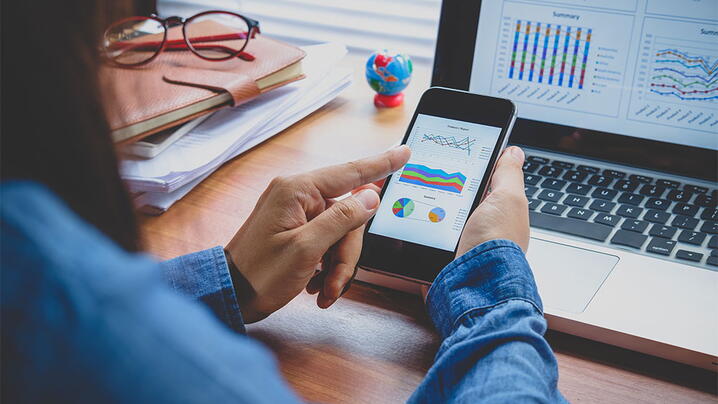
(368, 198)
(324, 302)
(517, 153)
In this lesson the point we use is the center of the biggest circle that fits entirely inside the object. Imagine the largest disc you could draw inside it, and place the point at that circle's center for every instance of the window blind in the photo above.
(407, 26)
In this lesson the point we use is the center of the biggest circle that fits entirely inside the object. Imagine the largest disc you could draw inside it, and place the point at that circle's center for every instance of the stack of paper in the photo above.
(169, 176)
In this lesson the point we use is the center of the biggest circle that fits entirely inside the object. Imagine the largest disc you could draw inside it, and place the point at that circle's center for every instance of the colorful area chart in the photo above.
(403, 207)
(437, 214)
(433, 178)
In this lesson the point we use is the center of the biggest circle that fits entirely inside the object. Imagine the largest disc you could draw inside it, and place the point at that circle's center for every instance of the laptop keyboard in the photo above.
(659, 217)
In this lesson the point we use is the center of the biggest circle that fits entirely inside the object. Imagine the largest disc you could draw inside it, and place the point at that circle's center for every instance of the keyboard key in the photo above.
(639, 226)
(640, 178)
(661, 246)
(530, 190)
(695, 188)
(602, 206)
(658, 230)
(656, 216)
(652, 190)
(709, 214)
(550, 171)
(577, 213)
(530, 167)
(552, 183)
(531, 179)
(668, 183)
(600, 181)
(631, 199)
(579, 189)
(537, 159)
(714, 253)
(685, 209)
(710, 227)
(629, 211)
(614, 173)
(677, 195)
(553, 208)
(713, 242)
(576, 200)
(533, 204)
(562, 164)
(629, 238)
(689, 255)
(575, 176)
(707, 201)
(691, 237)
(588, 169)
(604, 193)
(684, 222)
(570, 226)
(625, 185)
(712, 261)
(657, 203)
(608, 220)
(549, 195)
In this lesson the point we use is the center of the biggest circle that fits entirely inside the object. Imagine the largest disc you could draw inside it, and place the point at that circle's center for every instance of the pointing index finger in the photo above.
(337, 180)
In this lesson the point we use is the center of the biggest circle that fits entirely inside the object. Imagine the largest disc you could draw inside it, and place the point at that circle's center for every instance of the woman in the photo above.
(88, 319)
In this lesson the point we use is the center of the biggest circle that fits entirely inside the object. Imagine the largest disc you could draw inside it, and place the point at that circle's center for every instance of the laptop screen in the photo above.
(640, 68)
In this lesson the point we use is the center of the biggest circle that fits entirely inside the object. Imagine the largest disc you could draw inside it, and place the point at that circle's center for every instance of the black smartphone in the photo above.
(455, 139)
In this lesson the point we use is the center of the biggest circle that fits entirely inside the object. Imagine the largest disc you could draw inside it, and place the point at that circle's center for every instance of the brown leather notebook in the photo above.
(179, 86)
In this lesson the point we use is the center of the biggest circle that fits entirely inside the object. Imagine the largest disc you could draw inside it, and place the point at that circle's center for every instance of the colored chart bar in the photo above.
(523, 56)
(565, 54)
(575, 56)
(533, 53)
(516, 45)
(543, 53)
(555, 51)
(585, 58)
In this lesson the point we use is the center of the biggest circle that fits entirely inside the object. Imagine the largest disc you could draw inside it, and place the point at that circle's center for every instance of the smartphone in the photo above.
(455, 138)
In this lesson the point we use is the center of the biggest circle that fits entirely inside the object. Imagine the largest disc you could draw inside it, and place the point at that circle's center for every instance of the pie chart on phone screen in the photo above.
(437, 214)
(403, 207)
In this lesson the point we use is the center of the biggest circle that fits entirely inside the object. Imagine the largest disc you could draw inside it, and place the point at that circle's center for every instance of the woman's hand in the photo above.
(504, 213)
(297, 224)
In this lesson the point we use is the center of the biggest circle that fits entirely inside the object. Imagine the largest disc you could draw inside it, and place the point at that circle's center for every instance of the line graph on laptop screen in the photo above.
(676, 77)
(639, 68)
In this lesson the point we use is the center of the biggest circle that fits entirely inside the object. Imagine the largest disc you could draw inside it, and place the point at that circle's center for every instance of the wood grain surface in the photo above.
(375, 345)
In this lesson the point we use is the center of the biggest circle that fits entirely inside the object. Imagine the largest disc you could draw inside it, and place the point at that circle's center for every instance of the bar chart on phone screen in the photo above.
(570, 60)
(677, 77)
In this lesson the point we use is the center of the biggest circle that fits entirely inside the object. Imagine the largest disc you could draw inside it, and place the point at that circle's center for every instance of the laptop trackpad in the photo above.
(568, 277)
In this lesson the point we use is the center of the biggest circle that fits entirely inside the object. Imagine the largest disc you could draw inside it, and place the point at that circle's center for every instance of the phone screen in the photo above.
(428, 200)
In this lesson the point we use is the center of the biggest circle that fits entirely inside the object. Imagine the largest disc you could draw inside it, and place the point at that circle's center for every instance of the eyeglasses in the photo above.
(211, 35)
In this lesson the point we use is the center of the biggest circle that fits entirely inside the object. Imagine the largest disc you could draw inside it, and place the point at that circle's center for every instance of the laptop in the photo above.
(618, 116)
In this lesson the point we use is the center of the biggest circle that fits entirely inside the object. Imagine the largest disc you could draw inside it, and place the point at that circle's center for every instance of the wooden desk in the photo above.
(375, 345)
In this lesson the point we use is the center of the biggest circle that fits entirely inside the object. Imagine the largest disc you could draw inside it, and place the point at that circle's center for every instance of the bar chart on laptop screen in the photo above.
(677, 75)
(566, 59)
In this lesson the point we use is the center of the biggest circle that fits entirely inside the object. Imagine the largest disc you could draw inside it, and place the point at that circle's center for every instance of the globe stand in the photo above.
(388, 101)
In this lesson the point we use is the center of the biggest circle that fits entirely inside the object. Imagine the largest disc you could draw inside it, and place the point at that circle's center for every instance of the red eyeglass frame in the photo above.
(184, 43)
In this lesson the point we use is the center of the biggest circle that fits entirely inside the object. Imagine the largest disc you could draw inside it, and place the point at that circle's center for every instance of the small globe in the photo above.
(388, 73)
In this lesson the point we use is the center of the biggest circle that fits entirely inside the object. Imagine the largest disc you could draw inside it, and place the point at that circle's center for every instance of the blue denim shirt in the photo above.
(85, 321)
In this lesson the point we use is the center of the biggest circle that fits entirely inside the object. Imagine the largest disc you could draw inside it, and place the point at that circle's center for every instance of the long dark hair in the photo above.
(54, 130)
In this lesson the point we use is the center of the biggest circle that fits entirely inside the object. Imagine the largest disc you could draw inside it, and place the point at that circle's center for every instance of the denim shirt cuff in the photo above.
(205, 276)
(489, 274)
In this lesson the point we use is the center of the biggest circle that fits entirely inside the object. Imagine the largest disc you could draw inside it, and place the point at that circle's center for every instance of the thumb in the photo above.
(508, 175)
(341, 218)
